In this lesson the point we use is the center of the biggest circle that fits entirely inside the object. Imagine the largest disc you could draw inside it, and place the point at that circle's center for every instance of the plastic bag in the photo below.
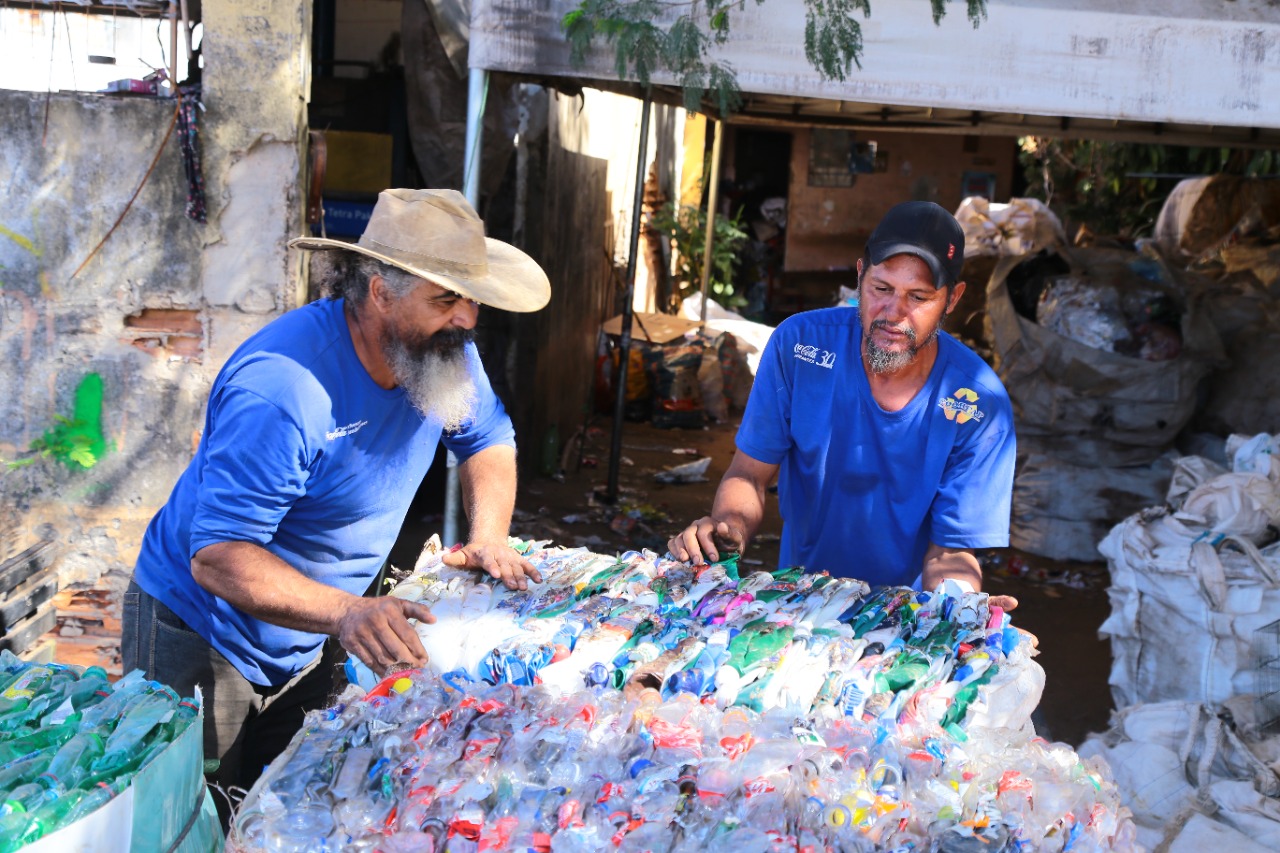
(712, 380)
(677, 394)
(1021, 227)
(1084, 311)
(1095, 408)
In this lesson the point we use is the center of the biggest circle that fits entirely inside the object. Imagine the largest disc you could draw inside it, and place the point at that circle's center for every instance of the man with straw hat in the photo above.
(319, 429)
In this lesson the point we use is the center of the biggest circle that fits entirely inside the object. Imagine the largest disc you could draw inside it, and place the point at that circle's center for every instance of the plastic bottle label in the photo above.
(21, 688)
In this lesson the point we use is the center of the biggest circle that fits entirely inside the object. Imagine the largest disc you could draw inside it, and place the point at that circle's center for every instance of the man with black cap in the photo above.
(319, 430)
(892, 442)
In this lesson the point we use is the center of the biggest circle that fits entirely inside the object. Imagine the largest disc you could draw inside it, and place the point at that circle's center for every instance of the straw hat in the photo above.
(436, 235)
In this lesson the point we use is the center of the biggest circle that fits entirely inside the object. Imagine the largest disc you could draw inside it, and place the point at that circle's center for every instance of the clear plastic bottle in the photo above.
(24, 769)
(123, 692)
(18, 695)
(26, 798)
(95, 798)
(40, 739)
(305, 829)
(140, 717)
(73, 762)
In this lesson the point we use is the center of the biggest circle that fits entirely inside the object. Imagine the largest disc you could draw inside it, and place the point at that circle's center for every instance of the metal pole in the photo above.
(477, 90)
(713, 199)
(477, 85)
(620, 384)
(173, 50)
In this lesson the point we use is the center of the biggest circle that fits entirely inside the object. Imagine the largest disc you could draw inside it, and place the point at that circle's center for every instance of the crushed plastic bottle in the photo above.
(634, 702)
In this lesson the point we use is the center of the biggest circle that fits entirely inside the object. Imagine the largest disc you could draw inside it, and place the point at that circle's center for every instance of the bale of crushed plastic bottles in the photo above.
(640, 703)
(79, 757)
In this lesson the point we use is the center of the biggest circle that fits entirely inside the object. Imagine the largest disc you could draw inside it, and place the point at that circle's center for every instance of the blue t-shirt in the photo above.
(305, 455)
(863, 491)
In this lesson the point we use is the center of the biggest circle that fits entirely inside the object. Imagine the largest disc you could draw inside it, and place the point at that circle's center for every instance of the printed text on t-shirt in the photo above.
(814, 355)
(349, 429)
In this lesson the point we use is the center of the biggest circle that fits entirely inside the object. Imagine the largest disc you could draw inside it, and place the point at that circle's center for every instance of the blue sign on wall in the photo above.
(344, 218)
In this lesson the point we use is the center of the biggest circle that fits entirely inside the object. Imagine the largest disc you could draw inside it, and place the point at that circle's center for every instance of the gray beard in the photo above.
(437, 380)
(887, 361)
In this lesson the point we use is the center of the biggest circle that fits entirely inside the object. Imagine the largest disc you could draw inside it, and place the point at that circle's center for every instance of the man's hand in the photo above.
(706, 536)
(377, 631)
(499, 561)
(1007, 603)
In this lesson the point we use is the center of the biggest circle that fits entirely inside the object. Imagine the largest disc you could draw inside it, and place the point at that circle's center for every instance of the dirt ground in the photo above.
(1061, 603)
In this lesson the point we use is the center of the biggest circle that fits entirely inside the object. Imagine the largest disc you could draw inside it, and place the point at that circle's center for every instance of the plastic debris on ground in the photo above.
(638, 703)
(690, 472)
(70, 742)
(1083, 577)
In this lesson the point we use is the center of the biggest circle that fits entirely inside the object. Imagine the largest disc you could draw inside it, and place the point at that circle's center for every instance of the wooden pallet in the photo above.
(28, 584)
(24, 564)
(26, 634)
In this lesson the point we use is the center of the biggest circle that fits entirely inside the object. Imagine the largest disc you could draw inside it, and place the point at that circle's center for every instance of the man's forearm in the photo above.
(488, 481)
(739, 502)
(955, 563)
(259, 583)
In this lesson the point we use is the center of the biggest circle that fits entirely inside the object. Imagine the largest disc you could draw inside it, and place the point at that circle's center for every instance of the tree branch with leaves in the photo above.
(644, 41)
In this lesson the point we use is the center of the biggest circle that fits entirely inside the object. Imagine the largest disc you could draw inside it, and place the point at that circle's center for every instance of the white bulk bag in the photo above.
(1187, 616)
(1177, 763)
(1233, 505)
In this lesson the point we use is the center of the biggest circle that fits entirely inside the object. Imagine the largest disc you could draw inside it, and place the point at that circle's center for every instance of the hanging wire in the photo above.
(66, 23)
(172, 123)
(48, 90)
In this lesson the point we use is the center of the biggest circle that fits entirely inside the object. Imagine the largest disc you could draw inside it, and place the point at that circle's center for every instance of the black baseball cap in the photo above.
(923, 229)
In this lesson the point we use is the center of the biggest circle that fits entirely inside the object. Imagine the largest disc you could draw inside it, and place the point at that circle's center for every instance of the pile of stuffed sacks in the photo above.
(1195, 640)
(635, 702)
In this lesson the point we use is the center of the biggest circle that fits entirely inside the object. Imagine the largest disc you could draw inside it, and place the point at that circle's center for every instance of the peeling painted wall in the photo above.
(157, 310)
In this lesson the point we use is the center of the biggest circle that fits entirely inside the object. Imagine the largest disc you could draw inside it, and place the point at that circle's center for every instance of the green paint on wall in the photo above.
(77, 441)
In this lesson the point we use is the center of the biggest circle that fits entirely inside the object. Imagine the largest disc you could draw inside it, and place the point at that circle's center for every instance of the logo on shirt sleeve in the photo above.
(961, 407)
(814, 355)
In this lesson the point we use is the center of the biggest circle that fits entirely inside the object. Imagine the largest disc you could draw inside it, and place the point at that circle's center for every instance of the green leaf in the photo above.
(83, 456)
(832, 40)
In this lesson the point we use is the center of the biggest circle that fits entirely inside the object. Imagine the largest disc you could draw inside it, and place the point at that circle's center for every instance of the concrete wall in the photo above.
(157, 310)
(827, 226)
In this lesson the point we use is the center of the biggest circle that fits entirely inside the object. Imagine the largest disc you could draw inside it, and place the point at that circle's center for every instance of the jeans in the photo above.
(246, 725)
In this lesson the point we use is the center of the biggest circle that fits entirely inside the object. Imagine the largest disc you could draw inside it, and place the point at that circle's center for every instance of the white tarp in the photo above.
(1196, 62)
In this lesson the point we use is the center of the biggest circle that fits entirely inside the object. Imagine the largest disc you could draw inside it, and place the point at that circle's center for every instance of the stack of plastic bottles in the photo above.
(806, 642)
(429, 764)
(637, 703)
(70, 741)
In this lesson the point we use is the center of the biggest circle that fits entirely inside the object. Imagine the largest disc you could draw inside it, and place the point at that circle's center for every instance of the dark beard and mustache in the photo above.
(434, 371)
(887, 361)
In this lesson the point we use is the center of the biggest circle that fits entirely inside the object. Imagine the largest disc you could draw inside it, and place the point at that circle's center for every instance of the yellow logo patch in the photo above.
(962, 406)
